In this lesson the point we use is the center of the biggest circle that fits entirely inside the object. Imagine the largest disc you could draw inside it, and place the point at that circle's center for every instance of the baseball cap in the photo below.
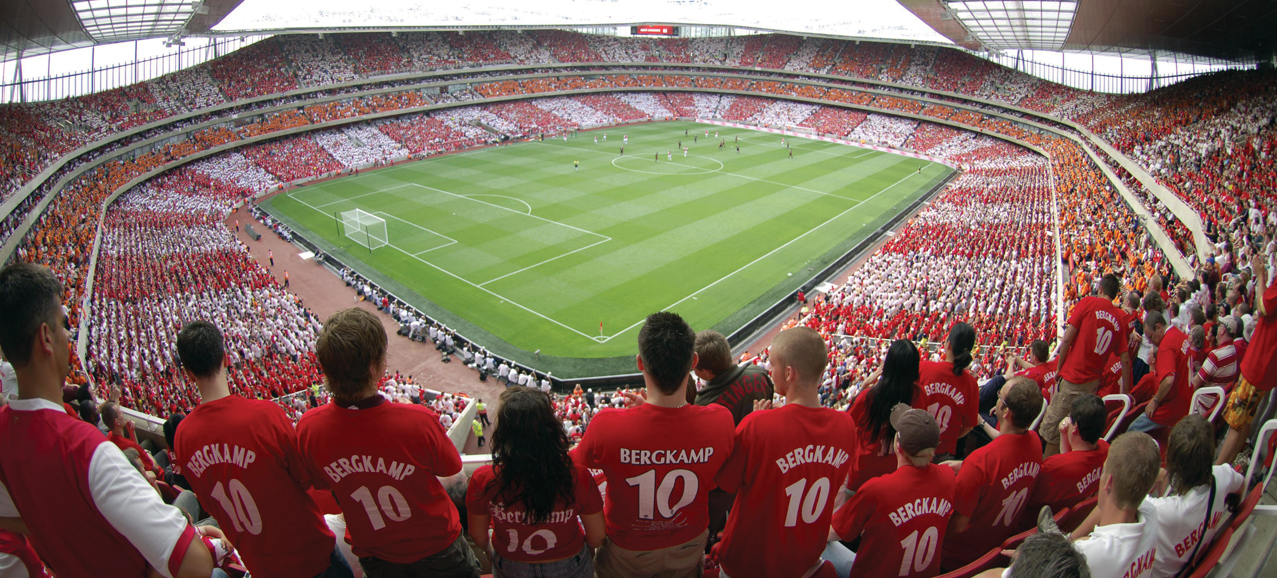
(918, 431)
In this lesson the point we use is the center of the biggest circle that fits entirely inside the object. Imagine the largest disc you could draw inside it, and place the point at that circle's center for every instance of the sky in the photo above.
(867, 18)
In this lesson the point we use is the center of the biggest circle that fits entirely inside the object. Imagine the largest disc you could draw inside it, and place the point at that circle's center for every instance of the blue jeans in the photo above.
(337, 566)
(1144, 424)
(579, 566)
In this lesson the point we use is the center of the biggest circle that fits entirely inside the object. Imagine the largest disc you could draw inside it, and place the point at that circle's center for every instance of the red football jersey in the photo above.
(1044, 376)
(874, 457)
(993, 487)
(1065, 480)
(901, 520)
(240, 456)
(1111, 381)
(660, 464)
(513, 539)
(786, 467)
(382, 463)
(954, 400)
(1101, 331)
(1172, 360)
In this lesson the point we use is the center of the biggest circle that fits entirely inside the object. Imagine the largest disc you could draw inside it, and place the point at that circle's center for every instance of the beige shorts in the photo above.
(685, 560)
(1061, 406)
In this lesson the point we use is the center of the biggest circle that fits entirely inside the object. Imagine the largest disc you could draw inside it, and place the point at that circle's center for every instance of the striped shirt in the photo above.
(1220, 367)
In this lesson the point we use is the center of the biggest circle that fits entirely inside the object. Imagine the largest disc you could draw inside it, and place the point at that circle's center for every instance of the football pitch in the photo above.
(518, 249)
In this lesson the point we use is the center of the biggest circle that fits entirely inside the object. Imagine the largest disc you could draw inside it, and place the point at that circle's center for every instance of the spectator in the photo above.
(1171, 401)
(1096, 330)
(652, 533)
(407, 527)
(817, 446)
(894, 383)
(260, 488)
(123, 435)
(1119, 538)
(121, 523)
(1044, 555)
(736, 387)
(1188, 519)
(533, 492)
(1258, 371)
(952, 395)
(893, 544)
(1036, 368)
(995, 480)
(1071, 475)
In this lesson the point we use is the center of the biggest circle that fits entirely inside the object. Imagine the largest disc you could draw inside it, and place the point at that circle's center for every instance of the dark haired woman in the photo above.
(952, 395)
(895, 382)
(534, 497)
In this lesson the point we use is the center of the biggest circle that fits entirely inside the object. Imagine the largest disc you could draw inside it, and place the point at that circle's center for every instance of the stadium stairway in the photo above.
(1255, 559)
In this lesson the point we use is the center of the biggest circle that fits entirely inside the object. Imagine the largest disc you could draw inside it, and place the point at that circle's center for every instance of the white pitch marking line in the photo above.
(468, 282)
(719, 171)
(769, 253)
(363, 195)
(451, 241)
(512, 210)
(525, 203)
(545, 261)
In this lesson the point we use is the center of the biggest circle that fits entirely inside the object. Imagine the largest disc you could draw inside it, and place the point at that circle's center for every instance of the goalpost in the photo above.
(364, 228)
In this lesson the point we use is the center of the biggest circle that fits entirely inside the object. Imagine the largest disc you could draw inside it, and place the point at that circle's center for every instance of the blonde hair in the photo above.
(802, 349)
(1133, 464)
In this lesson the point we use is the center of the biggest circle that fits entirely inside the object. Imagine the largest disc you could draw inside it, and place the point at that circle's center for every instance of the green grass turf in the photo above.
(517, 250)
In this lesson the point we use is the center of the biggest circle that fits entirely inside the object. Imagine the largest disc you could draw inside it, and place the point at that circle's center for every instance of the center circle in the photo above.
(678, 166)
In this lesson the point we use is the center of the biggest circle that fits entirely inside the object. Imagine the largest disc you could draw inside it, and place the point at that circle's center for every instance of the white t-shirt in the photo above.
(1123, 550)
(1179, 519)
(8, 380)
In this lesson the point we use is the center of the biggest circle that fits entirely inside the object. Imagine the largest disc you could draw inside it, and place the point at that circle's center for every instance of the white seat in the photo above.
(1126, 408)
(1198, 405)
(1038, 421)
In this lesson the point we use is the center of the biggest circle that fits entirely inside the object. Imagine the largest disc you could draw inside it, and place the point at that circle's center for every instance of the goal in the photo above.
(364, 228)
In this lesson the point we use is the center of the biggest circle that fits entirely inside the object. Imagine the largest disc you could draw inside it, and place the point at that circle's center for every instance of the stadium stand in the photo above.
(990, 249)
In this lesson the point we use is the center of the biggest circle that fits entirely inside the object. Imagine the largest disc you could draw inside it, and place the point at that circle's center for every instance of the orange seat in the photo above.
(989, 560)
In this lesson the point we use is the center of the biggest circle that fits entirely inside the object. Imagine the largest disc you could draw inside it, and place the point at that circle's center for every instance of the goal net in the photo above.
(364, 228)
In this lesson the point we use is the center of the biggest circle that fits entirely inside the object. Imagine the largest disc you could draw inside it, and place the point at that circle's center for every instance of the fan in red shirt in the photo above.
(382, 460)
(995, 481)
(895, 382)
(532, 496)
(901, 518)
(951, 394)
(1174, 393)
(123, 436)
(786, 467)
(659, 458)
(240, 457)
(1259, 365)
(1096, 330)
(1071, 475)
(1037, 368)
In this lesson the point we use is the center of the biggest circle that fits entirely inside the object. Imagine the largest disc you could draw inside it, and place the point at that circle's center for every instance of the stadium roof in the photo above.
(39, 26)
(1221, 29)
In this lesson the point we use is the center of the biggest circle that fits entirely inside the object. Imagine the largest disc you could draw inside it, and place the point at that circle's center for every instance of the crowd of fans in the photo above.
(167, 257)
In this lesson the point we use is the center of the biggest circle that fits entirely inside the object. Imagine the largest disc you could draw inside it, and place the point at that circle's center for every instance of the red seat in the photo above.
(989, 560)
(1130, 418)
(1077, 514)
(1014, 541)
(1213, 555)
(1246, 507)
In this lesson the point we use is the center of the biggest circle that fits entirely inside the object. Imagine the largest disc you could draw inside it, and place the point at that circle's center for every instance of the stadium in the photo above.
(512, 191)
